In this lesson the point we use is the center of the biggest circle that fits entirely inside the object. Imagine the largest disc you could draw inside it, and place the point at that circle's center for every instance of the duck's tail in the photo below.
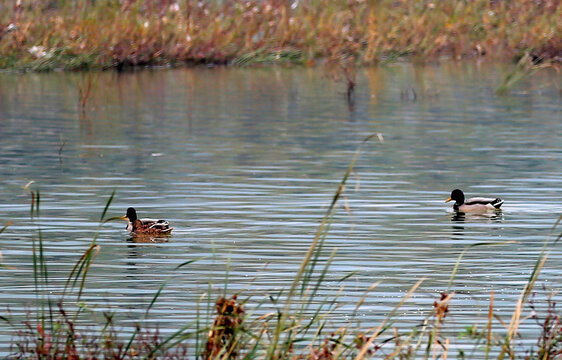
(497, 203)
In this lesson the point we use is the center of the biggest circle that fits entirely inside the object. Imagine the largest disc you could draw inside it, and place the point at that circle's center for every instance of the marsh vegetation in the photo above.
(46, 35)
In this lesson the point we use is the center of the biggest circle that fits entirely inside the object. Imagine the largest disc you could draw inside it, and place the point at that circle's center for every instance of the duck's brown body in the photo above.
(146, 226)
(149, 226)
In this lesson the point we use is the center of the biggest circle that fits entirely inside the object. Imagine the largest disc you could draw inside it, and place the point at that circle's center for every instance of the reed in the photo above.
(524, 68)
(83, 34)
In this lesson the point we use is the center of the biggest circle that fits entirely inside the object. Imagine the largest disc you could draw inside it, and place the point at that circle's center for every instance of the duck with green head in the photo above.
(476, 204)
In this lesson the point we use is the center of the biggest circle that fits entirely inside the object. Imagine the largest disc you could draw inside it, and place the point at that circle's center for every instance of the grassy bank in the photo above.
(300, 327)
(45, 35)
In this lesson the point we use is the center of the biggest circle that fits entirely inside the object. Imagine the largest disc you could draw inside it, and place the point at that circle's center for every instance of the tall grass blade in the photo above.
(319, 281)
(554, 227)
(89, 259)
(42, 262)
(79, 268)
(377, 331)
(123, 353)
(301, 273)
(364, 297)
(156, 296)
(107, 204)
(1, 231)
(37, 201)
(515, 319)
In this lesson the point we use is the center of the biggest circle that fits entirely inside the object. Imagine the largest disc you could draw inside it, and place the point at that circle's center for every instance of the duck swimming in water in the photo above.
(146, 226)
(476, 204)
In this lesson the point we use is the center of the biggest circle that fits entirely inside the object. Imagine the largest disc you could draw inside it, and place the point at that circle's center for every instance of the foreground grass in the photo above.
(46, 35)
(300, 328)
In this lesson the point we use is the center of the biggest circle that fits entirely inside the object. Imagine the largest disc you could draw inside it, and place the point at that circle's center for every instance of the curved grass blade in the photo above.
(515, 318)
(157, 295)
(91, 256)
(79, 268)
(377, 331)
(5, 227)
(162, 345)
(461, 255)
(190, 261)
(348, 276)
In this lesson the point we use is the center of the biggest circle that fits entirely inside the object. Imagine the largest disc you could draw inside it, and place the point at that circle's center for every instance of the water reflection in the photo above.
(461, 220)
(490, 217)
(147, 238)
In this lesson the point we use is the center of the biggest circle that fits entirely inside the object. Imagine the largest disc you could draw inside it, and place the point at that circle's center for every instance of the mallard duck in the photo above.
(476, 204)
(146, 226)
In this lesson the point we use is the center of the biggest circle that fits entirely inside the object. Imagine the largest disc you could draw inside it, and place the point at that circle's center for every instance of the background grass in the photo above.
(77, 34)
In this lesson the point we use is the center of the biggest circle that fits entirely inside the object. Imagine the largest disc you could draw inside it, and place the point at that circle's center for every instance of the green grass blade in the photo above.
(37, 201)
(91, 256)
(168, 340)
(190, 261)
(123, 354)
(554, 227)
(77, 269)
(155, 297)
(355, 272)
(5, 227)
(107, 204)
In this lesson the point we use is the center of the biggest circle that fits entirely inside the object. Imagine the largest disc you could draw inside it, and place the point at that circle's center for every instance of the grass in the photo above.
(524, 68)
(299, 328)
(84, 34)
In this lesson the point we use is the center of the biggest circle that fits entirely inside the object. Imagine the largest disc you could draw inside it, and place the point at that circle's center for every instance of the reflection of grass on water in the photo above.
(296, 330)
(81, 34)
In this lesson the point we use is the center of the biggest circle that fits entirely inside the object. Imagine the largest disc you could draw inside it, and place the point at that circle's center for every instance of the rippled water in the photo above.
(244, 162)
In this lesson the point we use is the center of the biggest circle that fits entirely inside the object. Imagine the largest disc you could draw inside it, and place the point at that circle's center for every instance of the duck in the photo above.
(138, 226)
(476, 204)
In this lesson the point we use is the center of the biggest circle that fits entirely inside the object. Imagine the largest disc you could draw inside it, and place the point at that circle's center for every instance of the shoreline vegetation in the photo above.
(84, 34)
(300, 327)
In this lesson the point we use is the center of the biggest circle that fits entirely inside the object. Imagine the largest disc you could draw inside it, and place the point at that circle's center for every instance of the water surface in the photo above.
(244, 162)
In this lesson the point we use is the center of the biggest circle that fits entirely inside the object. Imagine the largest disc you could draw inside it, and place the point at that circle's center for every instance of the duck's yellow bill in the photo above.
(116, 218)
(449, 199)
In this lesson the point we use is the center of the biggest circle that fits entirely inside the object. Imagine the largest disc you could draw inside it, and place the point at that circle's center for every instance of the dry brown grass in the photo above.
(112, 33)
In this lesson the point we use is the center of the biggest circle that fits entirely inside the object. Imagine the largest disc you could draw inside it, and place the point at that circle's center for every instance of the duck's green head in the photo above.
(131, 214)
(456, 195)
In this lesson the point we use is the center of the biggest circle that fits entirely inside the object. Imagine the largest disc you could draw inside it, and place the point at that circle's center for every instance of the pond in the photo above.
(244, 162)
